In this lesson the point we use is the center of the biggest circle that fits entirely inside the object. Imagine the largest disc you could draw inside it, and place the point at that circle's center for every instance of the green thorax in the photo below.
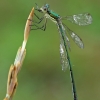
(53, 14)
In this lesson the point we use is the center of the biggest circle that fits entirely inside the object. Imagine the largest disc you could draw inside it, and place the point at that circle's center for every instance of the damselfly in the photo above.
(79, 19)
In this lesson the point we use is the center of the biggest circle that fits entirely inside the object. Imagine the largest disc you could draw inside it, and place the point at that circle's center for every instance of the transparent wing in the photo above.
(63, 54)
(80, 19)
(65, 37)
(75, 37)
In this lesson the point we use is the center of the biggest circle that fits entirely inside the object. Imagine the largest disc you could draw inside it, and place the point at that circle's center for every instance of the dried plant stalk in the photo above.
(14, 69)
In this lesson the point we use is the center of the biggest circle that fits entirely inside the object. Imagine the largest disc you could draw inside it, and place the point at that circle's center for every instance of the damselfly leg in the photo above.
(43, 27)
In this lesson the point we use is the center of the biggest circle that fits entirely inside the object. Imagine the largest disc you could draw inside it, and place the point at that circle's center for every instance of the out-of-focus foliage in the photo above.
(41, 77)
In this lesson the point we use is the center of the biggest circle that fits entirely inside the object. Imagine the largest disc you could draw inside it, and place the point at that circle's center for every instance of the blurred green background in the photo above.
(41, 77)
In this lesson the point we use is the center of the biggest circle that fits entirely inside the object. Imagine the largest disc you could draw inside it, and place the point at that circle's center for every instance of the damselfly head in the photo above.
(44, 8)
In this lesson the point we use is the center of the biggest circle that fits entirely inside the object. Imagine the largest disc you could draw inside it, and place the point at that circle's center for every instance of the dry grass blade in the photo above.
(28, 23)
(14, 69)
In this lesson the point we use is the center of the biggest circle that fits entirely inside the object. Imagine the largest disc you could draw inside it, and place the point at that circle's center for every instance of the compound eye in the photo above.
(45, 9)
